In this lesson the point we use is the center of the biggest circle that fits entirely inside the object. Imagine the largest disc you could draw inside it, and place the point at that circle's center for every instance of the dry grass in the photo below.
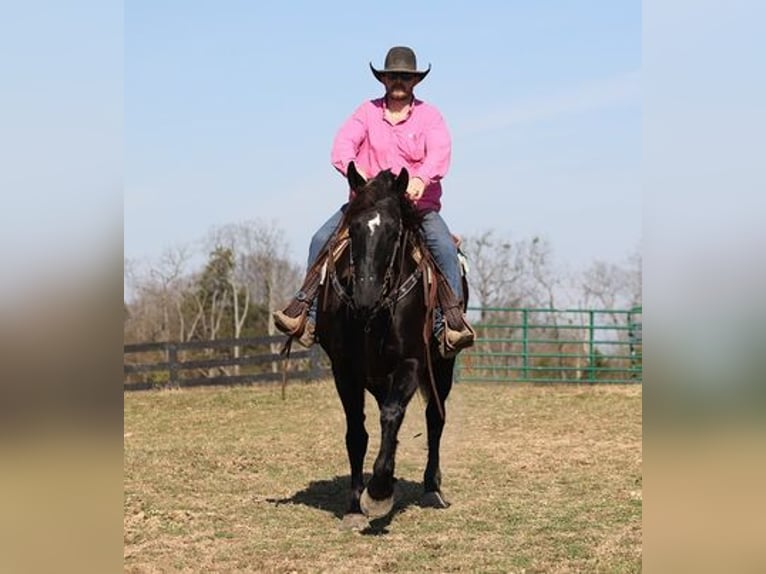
(541, 479)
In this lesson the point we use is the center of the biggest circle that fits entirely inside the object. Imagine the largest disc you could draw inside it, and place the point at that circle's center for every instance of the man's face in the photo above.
(399, 85)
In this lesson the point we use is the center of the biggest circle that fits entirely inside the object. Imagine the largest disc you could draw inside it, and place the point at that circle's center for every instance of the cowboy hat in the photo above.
(400, 59)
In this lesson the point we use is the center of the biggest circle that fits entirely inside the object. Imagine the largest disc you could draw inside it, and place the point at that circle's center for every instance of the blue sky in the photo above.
(231, 108)
(61, 135)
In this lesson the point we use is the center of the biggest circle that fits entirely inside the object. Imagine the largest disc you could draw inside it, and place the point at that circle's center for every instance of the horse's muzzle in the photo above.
(366, 295)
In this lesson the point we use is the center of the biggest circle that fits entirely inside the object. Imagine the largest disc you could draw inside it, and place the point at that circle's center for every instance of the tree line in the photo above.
(245, 273)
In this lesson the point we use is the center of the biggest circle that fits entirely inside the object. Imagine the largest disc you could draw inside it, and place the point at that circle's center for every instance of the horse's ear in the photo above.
(355, 180)
(401, 181)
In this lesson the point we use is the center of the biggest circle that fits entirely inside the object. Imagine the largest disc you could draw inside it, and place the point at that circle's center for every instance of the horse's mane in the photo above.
(380, 191)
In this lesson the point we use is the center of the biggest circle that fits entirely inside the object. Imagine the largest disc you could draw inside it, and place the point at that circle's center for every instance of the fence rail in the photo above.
(513, 344)
(221, 362)
(554, 345)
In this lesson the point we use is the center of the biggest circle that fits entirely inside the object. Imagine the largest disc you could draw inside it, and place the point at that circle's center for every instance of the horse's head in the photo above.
(375, 218)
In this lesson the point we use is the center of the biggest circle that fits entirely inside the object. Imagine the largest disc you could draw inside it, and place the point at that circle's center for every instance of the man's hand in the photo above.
(415, 189)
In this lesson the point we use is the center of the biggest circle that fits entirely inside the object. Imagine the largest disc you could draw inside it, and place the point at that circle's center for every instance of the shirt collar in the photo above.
(384, 106)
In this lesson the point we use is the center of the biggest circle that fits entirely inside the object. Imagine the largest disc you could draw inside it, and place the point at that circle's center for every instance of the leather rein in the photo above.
(388, 297)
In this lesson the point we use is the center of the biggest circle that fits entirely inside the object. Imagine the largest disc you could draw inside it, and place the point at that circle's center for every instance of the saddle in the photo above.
(418, 255)
(441, 295)
(436, 290)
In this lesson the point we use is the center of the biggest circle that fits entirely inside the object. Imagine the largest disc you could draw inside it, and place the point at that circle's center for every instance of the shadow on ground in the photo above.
(332, 495)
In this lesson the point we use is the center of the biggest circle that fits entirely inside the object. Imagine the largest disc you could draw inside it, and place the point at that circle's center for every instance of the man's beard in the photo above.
(399, 92)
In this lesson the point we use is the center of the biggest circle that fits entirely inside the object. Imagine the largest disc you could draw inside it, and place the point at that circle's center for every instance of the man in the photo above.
(394, 132)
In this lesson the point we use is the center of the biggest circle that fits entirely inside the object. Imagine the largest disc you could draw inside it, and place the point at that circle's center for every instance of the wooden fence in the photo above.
(222, 362)
(522, 345)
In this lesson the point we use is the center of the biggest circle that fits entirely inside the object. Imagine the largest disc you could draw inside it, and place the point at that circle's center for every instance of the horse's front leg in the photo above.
(378, 499)
(352, 398)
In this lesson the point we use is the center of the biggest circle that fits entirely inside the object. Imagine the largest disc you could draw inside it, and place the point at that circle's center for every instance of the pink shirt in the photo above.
(421, 143)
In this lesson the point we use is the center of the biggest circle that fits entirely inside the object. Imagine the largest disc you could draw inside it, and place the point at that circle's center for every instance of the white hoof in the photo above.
(375, 508)
(355, 522)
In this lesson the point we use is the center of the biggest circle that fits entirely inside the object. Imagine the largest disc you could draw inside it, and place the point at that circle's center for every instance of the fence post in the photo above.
(525, 343)
(634, 339)
(172, 366)
(591, 348)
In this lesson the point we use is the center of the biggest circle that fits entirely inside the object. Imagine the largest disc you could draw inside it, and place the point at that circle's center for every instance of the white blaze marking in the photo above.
(373, 223)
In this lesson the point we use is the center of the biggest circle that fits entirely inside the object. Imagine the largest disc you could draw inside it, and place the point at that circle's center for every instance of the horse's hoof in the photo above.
(433, 499)
(375, 508)
(354, 522)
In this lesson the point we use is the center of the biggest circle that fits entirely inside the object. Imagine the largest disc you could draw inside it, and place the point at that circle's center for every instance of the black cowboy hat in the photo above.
(400, 59)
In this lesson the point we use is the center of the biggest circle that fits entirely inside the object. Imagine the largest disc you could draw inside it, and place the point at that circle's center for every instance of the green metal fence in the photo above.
(554, 345)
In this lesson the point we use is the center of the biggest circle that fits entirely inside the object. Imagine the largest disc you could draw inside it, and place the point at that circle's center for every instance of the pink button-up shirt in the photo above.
(421, 143)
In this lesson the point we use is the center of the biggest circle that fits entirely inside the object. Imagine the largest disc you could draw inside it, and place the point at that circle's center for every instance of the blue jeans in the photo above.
(319, 240)
(323, 235)
(439, 241)
(437, 237)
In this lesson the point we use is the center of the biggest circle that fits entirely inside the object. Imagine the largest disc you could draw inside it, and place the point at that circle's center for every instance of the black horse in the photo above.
(375, 323)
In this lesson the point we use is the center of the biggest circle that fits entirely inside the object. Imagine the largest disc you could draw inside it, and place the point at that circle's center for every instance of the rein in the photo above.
(388, 297)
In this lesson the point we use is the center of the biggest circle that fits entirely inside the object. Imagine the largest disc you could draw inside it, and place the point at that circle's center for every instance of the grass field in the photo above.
(541, 479)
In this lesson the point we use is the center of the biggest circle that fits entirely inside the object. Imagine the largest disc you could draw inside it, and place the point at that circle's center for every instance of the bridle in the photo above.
(388, 296)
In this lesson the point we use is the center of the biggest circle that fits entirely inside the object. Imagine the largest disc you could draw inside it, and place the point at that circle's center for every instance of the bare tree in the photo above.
(546, 283)
(611, 286)
(502, 276)
(235, 240)
(606, 287)
(169, 274)
(156, 291)
(278, 278)
(496, 271)
(261, 274)
(545, 280)
(634, 280)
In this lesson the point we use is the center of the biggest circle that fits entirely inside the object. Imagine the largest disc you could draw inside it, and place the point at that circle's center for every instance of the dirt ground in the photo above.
(541, 478)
